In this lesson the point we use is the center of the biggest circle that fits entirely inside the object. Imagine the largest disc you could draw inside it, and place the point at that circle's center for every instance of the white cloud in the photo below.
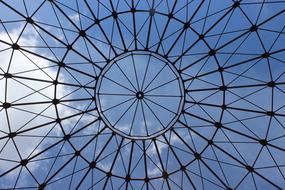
(16, 91)
(74, 17)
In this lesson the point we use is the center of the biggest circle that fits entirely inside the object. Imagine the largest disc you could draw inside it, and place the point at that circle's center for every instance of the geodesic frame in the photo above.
(221, 53)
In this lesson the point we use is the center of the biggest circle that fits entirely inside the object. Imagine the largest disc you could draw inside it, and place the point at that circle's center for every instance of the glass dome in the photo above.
(142, 94)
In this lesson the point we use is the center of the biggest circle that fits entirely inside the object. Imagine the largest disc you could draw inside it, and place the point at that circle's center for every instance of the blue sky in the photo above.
(67, 46)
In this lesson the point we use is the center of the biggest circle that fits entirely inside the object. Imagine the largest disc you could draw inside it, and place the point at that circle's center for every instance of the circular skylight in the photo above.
(140, 95)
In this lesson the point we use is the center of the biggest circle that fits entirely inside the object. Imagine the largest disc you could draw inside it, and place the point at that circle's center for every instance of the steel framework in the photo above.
(142, 94)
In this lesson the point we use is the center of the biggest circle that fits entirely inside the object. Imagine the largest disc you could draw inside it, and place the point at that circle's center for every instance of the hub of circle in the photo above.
(139, 95)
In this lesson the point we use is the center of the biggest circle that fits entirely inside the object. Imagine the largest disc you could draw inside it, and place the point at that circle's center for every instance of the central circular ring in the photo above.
(139, 95)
